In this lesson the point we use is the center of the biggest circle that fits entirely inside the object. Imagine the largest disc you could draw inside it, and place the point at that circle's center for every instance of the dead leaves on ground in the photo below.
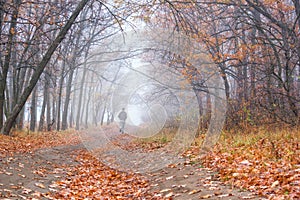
(268, 165)
(92, 179)
(24, 143)
(88, 179)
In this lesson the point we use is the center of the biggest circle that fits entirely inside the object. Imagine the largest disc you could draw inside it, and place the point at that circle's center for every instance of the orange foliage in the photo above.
(22, 143)
(268, 164)
(95, 180)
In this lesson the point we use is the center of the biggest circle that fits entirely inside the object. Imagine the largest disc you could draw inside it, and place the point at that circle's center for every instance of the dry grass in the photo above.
(265, 161)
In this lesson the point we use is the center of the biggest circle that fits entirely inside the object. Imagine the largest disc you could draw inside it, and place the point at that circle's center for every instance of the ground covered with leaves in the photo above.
(264, 161)
(57, 166)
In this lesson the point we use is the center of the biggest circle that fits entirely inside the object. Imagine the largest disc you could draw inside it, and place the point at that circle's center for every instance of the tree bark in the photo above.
(61, 81)
(48, 116)
(64, 124)
(71, 118)
(43, 109)
(88, 103)
(102, 116)
(7, 58)
(33, 109)
(78, 116)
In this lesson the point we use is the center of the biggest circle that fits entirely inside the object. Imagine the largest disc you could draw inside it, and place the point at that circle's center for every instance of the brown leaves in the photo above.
(268, 165)
(91, 179)
(24, 143)
(40, 185)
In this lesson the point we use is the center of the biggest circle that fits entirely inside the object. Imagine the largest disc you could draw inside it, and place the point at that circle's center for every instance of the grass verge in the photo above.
(266, 162)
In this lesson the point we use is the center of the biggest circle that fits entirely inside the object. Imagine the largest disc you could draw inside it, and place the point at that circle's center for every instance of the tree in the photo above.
(256, 46)
(40, 68)
(8, 54)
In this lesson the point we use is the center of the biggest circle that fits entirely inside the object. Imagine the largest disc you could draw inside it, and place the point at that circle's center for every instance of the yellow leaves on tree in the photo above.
(12, 31)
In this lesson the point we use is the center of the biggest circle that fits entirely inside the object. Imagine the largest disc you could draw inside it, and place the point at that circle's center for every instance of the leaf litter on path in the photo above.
(69, 171)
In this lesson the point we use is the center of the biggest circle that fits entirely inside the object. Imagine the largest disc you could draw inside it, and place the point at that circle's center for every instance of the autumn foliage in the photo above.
(22, 142)
(264, 162)
(93, 179)
(47, 82)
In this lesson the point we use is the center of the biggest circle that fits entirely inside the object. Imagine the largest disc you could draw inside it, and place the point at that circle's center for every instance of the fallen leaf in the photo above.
(26, 191)
(36, 194)
(157, 195)
(172, 166)
(52, 190)
(274, 184)
(247, 197)
(245, 162)
(206, 196)
(236, 174)
(170, 177)
(169, 195)
(194, 192)
(214, 188)
(15, 187)
(22, 175)
(54, 185)
(165, 190)
(224, 195)
(23, 197)
(40, 185)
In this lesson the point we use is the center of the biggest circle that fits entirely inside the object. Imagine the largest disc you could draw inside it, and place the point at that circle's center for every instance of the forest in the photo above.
(44, 57)
(65, 68)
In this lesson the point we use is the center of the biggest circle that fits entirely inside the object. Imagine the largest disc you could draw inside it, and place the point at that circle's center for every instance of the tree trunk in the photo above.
(102, 116)
(61, 81)
(43, 110)
(2, 2)
(83, 106)
(33, 109)
(253, 97)
(23, 80)
(7, 58)
(80, 95)
(225, 80)
(88, 104)
(48, 116)
(64, 124)
(71, 118)
(54, 101)
(97, 106)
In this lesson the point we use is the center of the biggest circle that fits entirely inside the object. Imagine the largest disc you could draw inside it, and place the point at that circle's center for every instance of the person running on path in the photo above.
(122, 116)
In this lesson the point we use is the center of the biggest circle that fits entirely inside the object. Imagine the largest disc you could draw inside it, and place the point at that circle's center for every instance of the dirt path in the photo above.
(33, 176)
(185, 181)
(27, 176)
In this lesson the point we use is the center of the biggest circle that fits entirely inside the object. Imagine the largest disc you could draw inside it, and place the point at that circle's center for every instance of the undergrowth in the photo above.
(264, 161)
